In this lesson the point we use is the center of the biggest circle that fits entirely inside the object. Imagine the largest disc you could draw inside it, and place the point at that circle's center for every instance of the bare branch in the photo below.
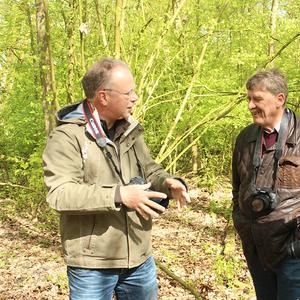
(187, 286)
(21, 187)
(281, 49)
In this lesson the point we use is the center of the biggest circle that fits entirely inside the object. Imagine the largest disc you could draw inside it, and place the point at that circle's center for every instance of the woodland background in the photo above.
(190, 59)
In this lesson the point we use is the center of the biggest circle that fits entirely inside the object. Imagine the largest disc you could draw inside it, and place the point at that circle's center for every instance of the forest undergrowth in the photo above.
(198, 246)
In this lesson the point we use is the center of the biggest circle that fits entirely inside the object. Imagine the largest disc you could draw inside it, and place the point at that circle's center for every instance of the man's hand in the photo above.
(178, 191)
(137, 197)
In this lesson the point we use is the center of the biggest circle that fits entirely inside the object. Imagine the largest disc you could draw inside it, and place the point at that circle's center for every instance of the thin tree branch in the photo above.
(281, 49)
(187, 286)
(21, 187)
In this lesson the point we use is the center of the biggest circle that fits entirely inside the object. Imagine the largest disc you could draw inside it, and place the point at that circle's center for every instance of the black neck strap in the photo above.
(100, 136)
(279, 146)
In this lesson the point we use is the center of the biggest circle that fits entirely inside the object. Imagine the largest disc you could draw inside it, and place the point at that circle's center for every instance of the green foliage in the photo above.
(226, 269)
(237, 35)
(221, 207)
(59, 279)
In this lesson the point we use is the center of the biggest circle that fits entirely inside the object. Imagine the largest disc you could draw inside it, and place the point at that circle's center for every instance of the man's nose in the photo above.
(134, 97)
(251, 104)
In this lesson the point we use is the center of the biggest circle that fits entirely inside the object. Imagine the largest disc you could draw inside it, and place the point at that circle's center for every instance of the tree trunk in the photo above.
(49, 95)
(33, 46)
(118, 18)
(101, 27)
(83, 32)
(122, 22)
(195, 158)
(71, 63)
(274, 11)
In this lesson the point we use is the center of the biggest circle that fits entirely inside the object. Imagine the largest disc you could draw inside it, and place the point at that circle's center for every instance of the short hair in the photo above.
(99, 75)
(272, 80)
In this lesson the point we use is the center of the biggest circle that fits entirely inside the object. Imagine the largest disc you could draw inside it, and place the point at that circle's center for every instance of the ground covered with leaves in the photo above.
(197, 253)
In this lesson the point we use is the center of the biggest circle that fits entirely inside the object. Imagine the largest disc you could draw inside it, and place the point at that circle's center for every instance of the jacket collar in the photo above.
(292, 136)
(293, 132)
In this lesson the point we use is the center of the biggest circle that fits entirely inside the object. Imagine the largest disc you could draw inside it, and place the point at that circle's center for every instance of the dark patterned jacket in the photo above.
(272, 233)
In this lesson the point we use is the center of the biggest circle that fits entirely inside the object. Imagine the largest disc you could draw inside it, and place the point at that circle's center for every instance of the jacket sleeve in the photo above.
(240, 221)
(235, 178)
(153, 171)
(64, 178)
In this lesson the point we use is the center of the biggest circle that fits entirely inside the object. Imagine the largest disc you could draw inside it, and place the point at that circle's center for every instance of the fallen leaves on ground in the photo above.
(198, 245)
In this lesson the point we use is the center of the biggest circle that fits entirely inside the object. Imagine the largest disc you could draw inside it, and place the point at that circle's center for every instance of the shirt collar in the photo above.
(275, 129)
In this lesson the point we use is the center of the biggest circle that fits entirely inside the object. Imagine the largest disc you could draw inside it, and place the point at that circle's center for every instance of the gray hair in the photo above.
(272, 80)
(99, 75)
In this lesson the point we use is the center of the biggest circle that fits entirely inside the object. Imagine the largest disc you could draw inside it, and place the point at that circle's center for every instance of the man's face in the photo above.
(120, 94)
(266, 108)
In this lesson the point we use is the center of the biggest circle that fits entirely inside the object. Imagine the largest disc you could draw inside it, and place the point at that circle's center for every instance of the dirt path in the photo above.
(198, 245)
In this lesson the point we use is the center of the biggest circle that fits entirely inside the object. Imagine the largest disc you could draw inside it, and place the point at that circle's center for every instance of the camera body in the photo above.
(263, 201)
(140, 180)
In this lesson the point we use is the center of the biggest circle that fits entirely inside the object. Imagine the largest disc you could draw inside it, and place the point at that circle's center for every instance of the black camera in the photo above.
(263, 201)
(140, 180)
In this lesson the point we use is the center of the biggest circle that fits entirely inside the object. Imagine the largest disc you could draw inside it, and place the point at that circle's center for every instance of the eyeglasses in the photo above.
(127, 94)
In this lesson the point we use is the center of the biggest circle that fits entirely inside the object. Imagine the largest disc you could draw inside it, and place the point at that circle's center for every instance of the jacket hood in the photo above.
(72, 114)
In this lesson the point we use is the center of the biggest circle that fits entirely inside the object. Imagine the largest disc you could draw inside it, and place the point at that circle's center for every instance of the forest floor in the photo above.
(198, 246)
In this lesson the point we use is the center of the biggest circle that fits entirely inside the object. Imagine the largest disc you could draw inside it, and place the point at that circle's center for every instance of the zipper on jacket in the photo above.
(119, 174)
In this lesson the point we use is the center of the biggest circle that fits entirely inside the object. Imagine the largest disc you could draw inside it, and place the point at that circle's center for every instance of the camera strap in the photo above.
(97, 129)
(279, 146)
(100, 136)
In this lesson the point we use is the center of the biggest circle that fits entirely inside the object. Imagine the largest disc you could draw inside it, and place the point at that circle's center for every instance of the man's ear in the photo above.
(280, 99)
(101, 97)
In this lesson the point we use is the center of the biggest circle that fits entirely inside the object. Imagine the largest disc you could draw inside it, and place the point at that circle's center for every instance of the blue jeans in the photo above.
(137, 283)
(281, 284)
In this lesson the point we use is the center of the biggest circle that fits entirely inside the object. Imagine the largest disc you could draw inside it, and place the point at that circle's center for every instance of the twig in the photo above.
(197, 70)
(281, 49)
(145, 26)
(224, 234)
(187, 95)
(16, 55)
(187, 286)
(213, 116)
(157, 48)
(6, 200)
(21, 187)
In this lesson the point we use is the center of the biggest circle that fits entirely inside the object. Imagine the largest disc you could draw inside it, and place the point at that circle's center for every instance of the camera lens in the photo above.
(257, 205)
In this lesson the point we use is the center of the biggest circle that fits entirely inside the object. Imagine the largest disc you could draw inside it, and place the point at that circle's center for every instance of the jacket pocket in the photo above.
(77, 233)
(90, 236)
(243, 226)
(108, 237)
(289, 172)
(272, 239)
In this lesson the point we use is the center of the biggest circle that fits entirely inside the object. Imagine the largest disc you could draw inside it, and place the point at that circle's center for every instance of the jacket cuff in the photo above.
(167, 191)
(118, 199)
(183, 182)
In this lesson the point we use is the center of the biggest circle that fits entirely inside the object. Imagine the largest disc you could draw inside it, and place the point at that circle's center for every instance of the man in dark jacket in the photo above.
(266, 189)
(95, 163)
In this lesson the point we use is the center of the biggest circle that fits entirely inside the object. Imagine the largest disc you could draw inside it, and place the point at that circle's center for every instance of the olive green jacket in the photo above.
(95, 231)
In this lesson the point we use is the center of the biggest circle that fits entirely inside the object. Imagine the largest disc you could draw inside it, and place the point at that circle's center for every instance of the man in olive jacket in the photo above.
(89, 163)
(266, 189)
